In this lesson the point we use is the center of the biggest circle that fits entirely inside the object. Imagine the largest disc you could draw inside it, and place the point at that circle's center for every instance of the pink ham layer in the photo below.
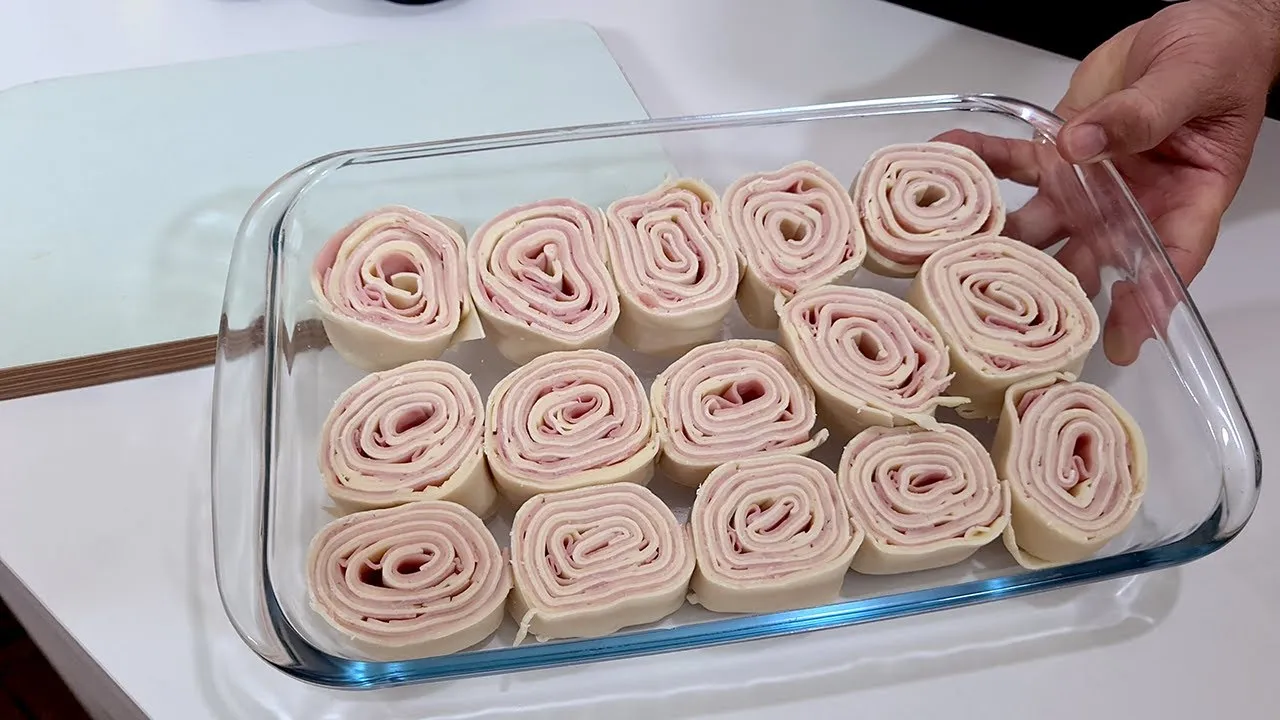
(916, 198)
(1008, 305)
(596, 547)
(408, 574)
(870, 345)
(726, 402)
(548, 271)
(911, 487)
(1074, 466)
(668, 252)
(437, 271)
(569, 413)
(404, 429)
(768, 518)
(796, 226)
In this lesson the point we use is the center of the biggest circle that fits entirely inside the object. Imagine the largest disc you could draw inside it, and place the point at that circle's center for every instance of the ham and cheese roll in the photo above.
(591, 561)
(413, 581)
(871, 358)
(412, 433)
(770, 533)
(926, 498)
(391, 288)
(676, 271)
(796, 227)
(540, 281)
(915, 198)
(727, 401)
(1007, 312)
(1076, 465)
(567, 420)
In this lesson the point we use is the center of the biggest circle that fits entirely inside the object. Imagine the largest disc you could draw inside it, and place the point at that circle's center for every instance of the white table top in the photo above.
(104, 498)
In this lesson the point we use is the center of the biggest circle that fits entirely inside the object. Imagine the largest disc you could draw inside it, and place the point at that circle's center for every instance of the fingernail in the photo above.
(1085, 143)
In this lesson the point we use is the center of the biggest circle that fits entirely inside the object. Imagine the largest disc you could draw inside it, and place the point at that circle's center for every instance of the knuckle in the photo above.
(1143, 119)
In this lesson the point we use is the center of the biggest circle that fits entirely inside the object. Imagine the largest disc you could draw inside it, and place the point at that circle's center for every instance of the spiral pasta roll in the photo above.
(770, 533)
(1076, 465)
(871, 358)
(796, 227)
(729, 400)
(926, 498)
(676, 271)
(540, 281)
(412, 433)
(566, 420)
(417, 580)
(1007, 312)
(391, 288)
(915, 198)
(591, 561)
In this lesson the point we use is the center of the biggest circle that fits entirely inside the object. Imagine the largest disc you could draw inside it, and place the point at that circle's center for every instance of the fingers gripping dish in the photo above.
(926, 498)
(539, 279)
(566, 420)
(591, 561)
(676, 271)
(391, 288)
(727, 401)
(1008, 312)
(871, 358)
(412, 433)
(915, 198)
(407, 582)
(1076, 464)
(796, 227)
(770, 533)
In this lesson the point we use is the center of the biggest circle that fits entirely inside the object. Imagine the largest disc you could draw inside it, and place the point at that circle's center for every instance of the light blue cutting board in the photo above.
(120, 193)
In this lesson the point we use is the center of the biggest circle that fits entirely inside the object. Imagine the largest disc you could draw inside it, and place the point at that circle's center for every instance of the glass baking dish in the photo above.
(276, 377)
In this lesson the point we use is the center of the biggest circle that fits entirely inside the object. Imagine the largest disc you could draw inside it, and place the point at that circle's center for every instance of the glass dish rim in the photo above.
(314, 666)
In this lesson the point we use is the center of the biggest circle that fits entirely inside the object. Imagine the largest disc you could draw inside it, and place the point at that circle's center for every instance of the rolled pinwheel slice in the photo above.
(770, 533)
(391, 288)
(417, 580)
(1007, 312)
(412, 433)
(872, 359)
(540, 281)
(567, 420)
(727, 401)
(926, 498)
(1076, 465)
(915, 198)
(676, 271)
(591, 561)
(796, 227)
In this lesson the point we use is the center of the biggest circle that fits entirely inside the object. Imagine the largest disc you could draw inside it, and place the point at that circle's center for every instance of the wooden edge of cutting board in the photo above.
(114, 366)
(149, 360)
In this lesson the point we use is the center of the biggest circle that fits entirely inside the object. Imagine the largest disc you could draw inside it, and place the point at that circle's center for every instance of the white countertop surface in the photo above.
(104, 537)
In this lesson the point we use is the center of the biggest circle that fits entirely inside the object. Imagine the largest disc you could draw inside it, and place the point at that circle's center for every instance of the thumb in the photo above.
(1135, 118)
(1099, 74)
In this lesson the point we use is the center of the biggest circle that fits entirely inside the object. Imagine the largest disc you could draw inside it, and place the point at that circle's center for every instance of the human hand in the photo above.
(1175, 102)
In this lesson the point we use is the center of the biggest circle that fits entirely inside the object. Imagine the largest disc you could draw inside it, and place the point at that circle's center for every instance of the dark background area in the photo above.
(30, 689)
(1072, 28)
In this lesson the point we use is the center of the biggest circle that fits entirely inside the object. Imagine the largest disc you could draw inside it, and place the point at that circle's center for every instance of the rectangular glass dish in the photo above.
(277, 377)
